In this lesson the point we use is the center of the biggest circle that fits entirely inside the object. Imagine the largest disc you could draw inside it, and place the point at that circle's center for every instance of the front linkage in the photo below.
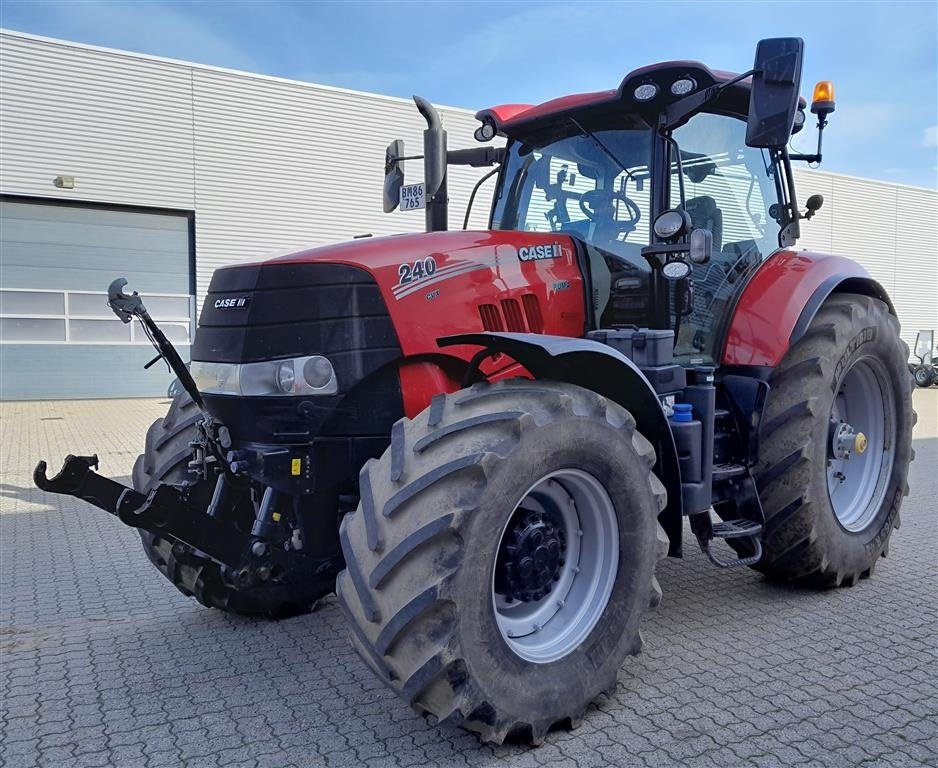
(173, 511)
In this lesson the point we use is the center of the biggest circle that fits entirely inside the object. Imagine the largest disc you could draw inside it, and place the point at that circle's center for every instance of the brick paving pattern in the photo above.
(104, 664)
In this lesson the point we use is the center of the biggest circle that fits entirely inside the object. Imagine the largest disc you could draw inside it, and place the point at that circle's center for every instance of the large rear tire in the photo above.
(165, 460)
(829, 518)
(443, 605)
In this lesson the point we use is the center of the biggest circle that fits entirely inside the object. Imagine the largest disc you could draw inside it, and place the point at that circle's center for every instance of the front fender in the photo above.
(781, 299)
(608, 372)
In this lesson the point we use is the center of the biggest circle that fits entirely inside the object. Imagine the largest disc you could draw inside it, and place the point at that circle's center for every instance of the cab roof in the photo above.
(514, 119)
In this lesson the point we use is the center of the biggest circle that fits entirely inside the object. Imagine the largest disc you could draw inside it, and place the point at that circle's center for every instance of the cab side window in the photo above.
(729, 188)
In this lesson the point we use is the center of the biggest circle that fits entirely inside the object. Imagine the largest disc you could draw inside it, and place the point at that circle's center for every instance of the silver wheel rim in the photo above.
(863, 405)
(549, 628)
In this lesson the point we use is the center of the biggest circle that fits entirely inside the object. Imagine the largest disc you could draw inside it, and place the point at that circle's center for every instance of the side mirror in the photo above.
(776, 82)
(393, 175)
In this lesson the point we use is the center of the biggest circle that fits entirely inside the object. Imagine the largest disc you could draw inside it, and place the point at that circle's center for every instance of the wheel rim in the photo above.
(862, 445)
(566, 526)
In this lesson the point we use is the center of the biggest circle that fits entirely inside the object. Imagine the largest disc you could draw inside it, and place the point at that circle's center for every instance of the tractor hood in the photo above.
(400, 293)
(400, 262)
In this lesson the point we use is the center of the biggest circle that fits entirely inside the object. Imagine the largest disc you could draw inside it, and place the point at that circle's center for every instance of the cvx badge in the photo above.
(235, 302)
(539, 252)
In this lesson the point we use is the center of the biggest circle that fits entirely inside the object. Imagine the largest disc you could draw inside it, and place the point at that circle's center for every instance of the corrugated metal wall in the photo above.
(283, 165)
(889, 228)
(270, 165)
(121, 125)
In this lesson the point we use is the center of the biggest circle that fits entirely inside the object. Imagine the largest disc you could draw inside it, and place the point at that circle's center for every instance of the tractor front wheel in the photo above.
(502, 556)
(835, 446)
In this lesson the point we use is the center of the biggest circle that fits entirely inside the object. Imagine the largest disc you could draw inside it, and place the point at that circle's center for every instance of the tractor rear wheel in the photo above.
(835, 446)
(502, 556)
(165, 460)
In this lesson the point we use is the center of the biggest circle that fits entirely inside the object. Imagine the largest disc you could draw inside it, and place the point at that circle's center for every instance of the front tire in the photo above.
(831, 497)
(426, 584)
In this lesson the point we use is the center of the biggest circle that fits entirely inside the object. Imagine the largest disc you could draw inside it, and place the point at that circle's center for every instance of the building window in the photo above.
(83, 317)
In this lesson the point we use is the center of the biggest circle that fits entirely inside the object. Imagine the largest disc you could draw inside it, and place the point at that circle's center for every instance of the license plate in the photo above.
(413, 197)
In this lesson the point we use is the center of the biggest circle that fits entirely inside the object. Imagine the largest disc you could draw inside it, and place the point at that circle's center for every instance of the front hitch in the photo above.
(167, 510)
(171, 512)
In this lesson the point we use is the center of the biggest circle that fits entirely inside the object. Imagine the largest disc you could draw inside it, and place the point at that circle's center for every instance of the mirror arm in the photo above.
(477, 157)
(816, 157)
(789, 235)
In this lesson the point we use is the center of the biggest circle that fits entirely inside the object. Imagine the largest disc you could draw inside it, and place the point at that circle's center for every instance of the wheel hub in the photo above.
(531, 557)
(845, 440)
(555, 565)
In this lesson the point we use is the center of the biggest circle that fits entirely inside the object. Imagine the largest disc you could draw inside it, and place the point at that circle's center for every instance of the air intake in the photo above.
(514, 320)
(532, 311)
(491, 317)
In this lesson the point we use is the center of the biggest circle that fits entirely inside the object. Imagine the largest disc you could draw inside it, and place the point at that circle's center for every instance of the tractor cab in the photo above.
(705, 149)
(598, 185)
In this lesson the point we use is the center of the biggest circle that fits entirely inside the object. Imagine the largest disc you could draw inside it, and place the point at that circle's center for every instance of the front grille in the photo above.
(271, 311)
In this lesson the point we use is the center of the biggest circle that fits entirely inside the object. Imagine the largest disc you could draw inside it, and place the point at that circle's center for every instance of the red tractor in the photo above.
(483, 442)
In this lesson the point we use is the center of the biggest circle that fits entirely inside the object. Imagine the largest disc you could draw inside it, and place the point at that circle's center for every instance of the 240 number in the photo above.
(420, 269)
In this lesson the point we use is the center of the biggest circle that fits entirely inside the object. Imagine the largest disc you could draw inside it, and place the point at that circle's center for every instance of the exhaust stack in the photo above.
(434, 164)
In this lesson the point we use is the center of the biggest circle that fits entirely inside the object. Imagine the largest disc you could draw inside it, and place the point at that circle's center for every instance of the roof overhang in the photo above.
(519, 119)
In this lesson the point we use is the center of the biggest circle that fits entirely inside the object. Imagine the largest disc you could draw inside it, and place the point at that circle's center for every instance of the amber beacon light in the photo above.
(822, 103)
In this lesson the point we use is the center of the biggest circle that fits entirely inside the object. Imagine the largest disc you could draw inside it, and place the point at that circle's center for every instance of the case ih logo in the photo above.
(538, 252)
(234, 303)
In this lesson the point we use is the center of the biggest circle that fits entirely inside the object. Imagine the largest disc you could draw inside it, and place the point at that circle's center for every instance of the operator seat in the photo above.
(703, 212)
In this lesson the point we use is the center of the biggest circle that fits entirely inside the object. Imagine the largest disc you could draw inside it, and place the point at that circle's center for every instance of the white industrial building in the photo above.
(119, 164)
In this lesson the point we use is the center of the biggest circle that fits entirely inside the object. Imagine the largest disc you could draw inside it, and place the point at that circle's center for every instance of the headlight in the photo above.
(311, 375)
(286, 377)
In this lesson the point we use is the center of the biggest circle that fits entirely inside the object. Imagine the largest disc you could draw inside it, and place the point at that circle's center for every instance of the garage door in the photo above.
(58, 339)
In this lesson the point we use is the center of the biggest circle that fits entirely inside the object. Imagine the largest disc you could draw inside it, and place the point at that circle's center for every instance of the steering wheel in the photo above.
(597, 206)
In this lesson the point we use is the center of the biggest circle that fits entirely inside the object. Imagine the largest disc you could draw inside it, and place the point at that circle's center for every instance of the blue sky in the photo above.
(882, 56)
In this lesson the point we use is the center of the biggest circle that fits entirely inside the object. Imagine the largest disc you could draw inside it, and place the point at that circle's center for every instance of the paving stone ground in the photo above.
(103, 663)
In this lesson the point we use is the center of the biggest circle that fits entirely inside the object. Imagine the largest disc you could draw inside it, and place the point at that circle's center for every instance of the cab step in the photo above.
(727, 471)
(706, 531)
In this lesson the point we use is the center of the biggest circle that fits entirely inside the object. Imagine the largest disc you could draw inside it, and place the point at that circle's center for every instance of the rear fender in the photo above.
(782, 298)
(606, 371)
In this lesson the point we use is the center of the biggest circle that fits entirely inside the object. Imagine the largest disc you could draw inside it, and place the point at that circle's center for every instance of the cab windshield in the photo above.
(594, 186)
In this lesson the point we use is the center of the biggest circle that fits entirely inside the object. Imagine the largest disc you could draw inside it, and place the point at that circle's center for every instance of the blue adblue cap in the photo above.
(682, 412)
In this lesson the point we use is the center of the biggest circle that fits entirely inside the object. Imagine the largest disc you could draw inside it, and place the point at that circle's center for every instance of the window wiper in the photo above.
(604, 148)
